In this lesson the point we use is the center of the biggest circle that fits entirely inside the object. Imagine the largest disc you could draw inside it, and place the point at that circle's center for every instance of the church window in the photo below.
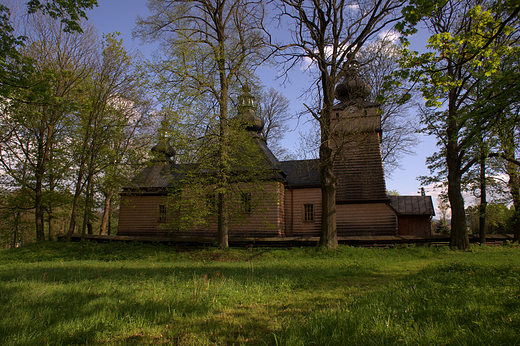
(308, 212)
(162, 213)
(247, 203)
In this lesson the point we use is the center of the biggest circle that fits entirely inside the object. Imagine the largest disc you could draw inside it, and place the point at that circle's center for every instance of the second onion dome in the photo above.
(246, 111)
(352, 88)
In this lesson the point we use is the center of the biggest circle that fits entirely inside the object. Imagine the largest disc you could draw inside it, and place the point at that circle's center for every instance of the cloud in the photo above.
(309, 63)
(353, 7)
(389, 35)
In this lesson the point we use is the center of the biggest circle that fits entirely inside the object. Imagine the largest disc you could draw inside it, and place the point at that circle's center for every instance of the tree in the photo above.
(275, 114)
(76, 124)
(40, 111)
(498, 221)
(506, 128)
(330, 33)
(502, 106)
(13, 65)
(114, 108)
(211, 44)
(462, 57)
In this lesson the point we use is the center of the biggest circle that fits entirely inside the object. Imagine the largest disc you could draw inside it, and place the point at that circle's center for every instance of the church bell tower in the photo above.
(357, 128)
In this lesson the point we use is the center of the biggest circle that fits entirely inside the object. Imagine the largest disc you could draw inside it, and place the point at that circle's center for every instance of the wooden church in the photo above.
(287, 202)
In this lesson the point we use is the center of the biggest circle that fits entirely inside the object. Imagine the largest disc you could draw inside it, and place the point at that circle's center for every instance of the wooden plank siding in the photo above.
(139, 215)
(415, 225)
(366, 219)
(359, 169)
(295, 199)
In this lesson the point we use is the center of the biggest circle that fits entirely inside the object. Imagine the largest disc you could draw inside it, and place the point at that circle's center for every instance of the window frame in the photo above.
(246, 200)
(163, 213)
(308, 212)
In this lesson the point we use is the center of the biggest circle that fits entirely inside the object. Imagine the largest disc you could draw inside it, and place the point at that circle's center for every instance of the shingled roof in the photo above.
(163, 174)
(301, 173)
(158, 175)
(412, 205)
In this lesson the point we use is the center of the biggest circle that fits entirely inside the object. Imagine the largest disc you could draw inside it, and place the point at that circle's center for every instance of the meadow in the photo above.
(137, 294)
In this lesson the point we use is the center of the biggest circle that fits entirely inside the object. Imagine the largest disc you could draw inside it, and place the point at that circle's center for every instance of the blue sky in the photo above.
(120, 15)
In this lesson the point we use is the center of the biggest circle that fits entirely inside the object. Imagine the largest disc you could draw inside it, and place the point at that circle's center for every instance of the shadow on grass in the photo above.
(100, 302)
(452, 304)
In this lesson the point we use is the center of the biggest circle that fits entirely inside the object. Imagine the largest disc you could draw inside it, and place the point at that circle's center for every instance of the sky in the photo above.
(120, 15)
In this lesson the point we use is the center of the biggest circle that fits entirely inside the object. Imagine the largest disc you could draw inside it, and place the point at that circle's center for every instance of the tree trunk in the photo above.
(51, 223)
(106, 211)
(483, 199)
(223, 223)
(328, 235)
(75, 203)
(38, 209)
(38, 197)
(514, 186)
(459, 232)
(224, 169)
(88, 197)
(328, 181)
(44, 149)
(109, 230)
(16, 228)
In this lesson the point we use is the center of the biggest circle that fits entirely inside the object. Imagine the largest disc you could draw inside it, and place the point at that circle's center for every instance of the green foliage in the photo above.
(392, 192)
(441, 227)
(15, 67)
(469, 42)
(499, 218)
(70, 12)
(193, 196)
(120, 294)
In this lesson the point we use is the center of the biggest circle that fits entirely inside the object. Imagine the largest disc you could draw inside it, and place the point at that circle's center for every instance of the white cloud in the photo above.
(389, 35)
(353, 7)
(309, 63)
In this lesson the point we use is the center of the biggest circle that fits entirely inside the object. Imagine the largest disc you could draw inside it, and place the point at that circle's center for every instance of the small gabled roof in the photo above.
(412, 205)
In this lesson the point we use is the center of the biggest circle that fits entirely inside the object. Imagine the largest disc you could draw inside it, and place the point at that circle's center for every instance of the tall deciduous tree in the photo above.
(330, 33)
(462, 56)
(209, 43)
(60, 65)
(114, 108)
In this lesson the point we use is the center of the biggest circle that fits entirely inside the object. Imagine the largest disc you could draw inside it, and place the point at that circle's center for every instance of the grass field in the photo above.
(135, 294)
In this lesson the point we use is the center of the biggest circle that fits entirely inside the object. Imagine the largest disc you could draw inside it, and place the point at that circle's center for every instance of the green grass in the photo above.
(135, 294)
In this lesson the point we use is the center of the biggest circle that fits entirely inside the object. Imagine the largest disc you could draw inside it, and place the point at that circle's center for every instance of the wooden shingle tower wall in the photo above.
(362, 202)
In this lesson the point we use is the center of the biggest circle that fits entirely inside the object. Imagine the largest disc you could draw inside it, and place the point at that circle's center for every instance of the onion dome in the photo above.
(163, 152)
(352, 88)
(246, 111)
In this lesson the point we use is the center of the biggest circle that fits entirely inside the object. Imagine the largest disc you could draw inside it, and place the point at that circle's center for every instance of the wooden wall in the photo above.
(139, 215)
(295, 226)
(366, 219)
(415, 225)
